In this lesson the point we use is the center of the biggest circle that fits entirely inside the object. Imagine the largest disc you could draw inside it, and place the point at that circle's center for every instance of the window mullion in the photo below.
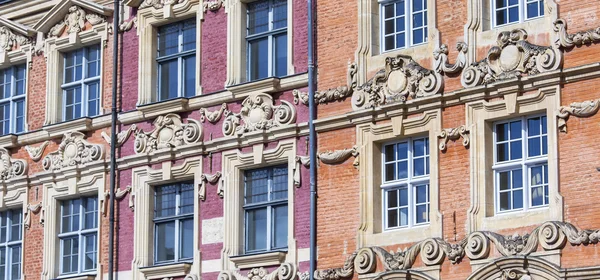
(270, 227)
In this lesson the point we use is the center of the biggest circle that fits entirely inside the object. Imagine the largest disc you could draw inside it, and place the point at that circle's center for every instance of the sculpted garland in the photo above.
(433, 251)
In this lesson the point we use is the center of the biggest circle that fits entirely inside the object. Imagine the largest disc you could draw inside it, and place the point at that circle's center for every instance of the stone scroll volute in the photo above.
(73, 150)
(169, 132)
(258, 112)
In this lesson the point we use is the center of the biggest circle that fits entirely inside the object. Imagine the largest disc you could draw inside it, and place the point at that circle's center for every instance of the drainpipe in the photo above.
(113, 143)
(312, 141)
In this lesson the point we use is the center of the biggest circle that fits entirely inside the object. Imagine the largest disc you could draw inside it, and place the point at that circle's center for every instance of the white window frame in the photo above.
(524, 164)
(269, 34)
(522, 11)
(81, 235)
(12, 99)
(83, 83)
(411, 182)
(408, 24)
(177, 218)
(180, 55)
(269, 205)
(10, 245)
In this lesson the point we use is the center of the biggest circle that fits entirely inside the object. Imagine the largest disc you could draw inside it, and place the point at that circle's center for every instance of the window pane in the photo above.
(389, 27)
(280, 228)
(504, 178)
(189, 35)
(418, 36)
(515, 130)
(257, 188)
(389, 43)
(517, 179)
(501, 17)
(518, 199)
(400, 24)
(20, 116)
(90, 252)
(403, 216)
(502, 132)
(15, 231)
(537, 196)
(403, 194)
(421, 192)
(20, 78)
(165, 242)
(186, 239)
(392, 218)
(422, 214)
(168, 39)
(91, 212)
(513, 14)
(505, 201)
(419, 147)
(279, 14)
(168, 79)
(256, 225)
(190, 76)
(93, 58)
(388, 10)
(186, 204)
(417, 20)
(403, 170)
(419, 167)
(515, 150)
(390, 171)
(400, 40)
(93, 99)
(279, 183)
(258, 17)
(534, 147)
(16, 263)
(392, 198)
(502, 152)
(165, 199)
(259, 59)
(389, 153)
(533, 126)
(402, 150)
(4, 118)
(281, 55)
(4, 227)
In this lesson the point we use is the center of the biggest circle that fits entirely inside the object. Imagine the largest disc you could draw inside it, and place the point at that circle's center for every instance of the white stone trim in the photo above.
(233, 163)
(370, 137)
(143, 180)
(480, 116)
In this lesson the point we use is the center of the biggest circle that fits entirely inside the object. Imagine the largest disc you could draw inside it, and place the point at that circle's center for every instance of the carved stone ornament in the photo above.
(121, 136)
(401, 79)
(441, 59)
(74, 22)
(169, 132)
(35, 153)
(476, 246)
(333, 94)
(339, 156)
(515, 274)
(191, 277)
(213, 5)
(258, 113)
(567, 41)
(11, 168)
(10, 40)
(286, 271)
(208, 178)
(128, 25)
(454, 134)
(578, 109)
(158, 4)
(31, 209)
(304, 161)
(72, 151)
(512, 57)
(214, 116)
(119, 194)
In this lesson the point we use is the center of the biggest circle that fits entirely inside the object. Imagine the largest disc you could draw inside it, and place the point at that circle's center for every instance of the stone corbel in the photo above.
(121, 136)
(208, 178)
(214, 116)
(454, 134)
(568, 41)
(128, 25)
(442, 65)
(119, 194)
(339, 156)
(333, 94)
(213, 5)
(35, 153)
(578, 109)
(31, 209)
(300, 160)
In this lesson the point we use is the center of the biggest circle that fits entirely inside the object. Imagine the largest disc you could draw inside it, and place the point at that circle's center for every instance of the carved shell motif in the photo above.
(169, 132)
(72, 151)
(258, 113)
(11, 168)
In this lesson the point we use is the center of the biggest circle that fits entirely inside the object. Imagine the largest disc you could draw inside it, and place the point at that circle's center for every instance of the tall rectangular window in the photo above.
(513, 11)
(174, 223)
(406, 183)
(266, 208)
(12, 99)
(521, 164)
(81, 83)
(11, 236)
(403, 23)
(267, 39)
(176, 60)
(78, 235)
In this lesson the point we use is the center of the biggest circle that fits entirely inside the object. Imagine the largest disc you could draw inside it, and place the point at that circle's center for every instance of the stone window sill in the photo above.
(166, 271)
(268, 85)
(76, 277)
(518, 219)
(259, 260)
(164, 107)
(81, 124)
(390, 237)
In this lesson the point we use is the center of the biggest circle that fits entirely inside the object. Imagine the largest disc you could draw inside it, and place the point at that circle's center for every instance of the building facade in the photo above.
(456, 139)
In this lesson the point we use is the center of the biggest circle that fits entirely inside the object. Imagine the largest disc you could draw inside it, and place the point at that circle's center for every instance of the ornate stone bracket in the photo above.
(258, 113)
(476, 246)
(121, 136)
(119, 194)
(213, 5)
(400, 80)
(169, 132)
(567, 41)
(454, 134)
(287, 271)
(128, 25)
(11, 168)
(35, 153)
(10, 40)
(208, 178)
(31, 209)
(333, 94)
(339, 156)
(74, 22)
(441, 59)
(214, 116)
(72, 151)
(300, 160)
(512, 57)
(578, 109)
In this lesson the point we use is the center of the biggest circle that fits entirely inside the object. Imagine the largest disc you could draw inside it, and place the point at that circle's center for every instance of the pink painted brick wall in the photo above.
(214, 51)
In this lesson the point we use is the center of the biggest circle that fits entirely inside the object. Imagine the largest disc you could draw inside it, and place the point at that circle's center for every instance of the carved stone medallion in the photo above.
(72, 151)
(169, 132)
(258, 113)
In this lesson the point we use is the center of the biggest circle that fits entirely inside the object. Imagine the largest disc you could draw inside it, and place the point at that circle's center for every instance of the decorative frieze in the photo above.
(11, 168)
(169, 132)
(400, 80)
(213, 179)
(441, 59)
(584, 109)
(454, 134)
(35, 153)
(339, 156)
(72, 151)
(287, 271)
(567, 41)
(10, 40)
(476, 246)
(214, 116)
(121, 136)
(258, 113)
(512, 57)
(74, 22)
